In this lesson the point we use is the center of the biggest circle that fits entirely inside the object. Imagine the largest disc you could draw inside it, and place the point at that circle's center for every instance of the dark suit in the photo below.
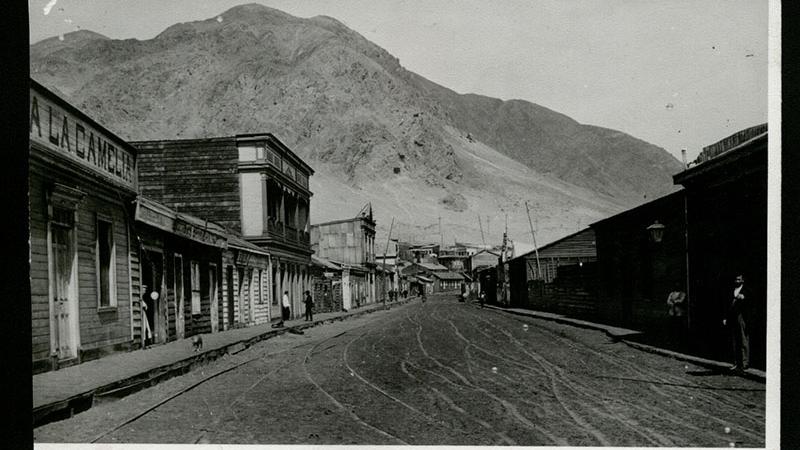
(735, 317)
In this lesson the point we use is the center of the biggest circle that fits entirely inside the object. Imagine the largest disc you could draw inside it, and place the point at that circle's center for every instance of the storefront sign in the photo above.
(195, 233)
(52, 126)
(146, 214)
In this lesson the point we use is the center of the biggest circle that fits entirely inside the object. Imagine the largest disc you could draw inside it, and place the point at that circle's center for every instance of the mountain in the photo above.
(374, 131)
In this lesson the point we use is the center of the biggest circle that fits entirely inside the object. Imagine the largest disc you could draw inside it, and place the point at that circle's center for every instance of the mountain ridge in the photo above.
(347, 105)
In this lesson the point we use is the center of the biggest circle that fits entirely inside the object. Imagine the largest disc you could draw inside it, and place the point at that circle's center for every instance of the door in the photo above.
(152, 277)
(180, 323)
(213, 297)
(64, 288)
(229, 279)
(240, 273)
(251, 296)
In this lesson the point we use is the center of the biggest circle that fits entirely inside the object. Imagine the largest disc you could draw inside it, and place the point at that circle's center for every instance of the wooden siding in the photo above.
(100, 330)
(197, 179)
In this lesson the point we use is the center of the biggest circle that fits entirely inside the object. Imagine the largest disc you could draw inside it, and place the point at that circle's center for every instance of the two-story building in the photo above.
(350, 244)
(251, 184)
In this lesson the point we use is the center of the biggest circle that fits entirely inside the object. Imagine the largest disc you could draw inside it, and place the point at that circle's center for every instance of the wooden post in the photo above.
(388, 238)
(535, 247)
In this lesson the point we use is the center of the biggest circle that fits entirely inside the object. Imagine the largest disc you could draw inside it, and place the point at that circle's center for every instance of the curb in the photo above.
(64, 409)
(751, 374)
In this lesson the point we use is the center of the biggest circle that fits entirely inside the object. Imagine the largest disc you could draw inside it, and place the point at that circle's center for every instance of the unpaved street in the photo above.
(441, 372)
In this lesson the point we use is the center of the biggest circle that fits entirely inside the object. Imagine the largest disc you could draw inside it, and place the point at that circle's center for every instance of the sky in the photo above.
(678, 74)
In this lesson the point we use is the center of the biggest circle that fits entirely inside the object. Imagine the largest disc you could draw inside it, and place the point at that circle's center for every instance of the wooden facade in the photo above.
(636, 274)
(247, 285)
(560, 277)
(726, 204)
(179, 258)
(250, 184)
(350, 243)
(82, 180)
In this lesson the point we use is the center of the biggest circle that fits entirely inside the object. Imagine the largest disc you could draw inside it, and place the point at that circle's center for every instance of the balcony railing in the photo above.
(286, 233)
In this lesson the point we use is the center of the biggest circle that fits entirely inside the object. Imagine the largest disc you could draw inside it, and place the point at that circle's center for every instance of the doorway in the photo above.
(64, 280)
(156, 311)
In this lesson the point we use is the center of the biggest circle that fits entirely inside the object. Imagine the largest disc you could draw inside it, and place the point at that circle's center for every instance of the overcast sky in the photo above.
(678, 74)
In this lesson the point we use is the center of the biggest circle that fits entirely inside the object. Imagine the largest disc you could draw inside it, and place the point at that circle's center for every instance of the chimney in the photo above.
(683, 157)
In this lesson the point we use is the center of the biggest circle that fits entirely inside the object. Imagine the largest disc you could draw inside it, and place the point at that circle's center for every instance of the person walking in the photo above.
(735, 320)
(309, 306)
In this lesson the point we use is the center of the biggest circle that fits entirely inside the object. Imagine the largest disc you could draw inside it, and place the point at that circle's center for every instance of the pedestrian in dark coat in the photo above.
(309, 306)
(735, 320)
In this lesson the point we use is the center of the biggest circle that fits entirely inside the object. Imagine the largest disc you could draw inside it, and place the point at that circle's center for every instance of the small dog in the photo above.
(197, 342)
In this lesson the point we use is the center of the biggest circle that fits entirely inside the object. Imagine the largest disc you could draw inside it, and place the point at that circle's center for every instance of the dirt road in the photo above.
(442, 372)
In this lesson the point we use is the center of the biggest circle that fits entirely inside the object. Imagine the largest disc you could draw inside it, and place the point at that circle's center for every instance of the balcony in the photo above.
(282, 232)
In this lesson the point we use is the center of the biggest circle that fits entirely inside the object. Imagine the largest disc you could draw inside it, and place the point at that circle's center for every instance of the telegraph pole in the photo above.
(385, 251)
(481, 226)
(535, 247)
(441, 236)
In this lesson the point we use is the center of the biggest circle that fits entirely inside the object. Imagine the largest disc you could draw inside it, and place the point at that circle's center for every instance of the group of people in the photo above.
(734, 319)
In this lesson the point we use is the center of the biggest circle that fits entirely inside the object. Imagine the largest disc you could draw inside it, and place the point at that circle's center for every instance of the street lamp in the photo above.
(656, 231)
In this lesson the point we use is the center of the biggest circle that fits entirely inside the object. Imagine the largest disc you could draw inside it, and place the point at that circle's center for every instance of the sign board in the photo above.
(66, 133)
(190, 231)
(145, 213)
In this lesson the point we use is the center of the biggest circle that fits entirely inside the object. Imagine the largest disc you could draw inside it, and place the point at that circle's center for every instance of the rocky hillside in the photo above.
(373, 130)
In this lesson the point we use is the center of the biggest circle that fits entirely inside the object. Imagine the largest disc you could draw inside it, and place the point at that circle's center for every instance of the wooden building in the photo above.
(82, 181)
(350, 243)
(248, 298)
(560, 277)
(447, 281)
(176, 264)
(726, 204)
(636, 272)
(327, 285)
(251, 184)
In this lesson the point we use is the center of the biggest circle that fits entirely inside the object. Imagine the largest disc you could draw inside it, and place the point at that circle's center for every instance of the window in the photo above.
(260, 152)
(195, 266)
(106, 264)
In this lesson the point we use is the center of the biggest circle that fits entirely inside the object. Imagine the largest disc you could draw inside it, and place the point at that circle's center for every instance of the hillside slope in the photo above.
(373, 130)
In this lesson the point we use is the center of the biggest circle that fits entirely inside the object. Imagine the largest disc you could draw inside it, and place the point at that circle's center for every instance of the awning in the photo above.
(423, 279)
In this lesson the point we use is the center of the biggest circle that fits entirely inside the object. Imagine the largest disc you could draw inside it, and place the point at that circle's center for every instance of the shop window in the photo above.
(106, 264)
(195, 279)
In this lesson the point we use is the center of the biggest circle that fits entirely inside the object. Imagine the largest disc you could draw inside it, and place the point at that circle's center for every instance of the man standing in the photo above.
(309, 306)
(482, 298)
(735, 320)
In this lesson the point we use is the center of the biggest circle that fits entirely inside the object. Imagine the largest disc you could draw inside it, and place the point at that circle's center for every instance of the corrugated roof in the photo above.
(432, 266)
(241, 244)
(448, 275)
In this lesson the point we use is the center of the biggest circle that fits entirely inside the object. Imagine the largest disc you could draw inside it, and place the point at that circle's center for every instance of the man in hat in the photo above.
(735, 320)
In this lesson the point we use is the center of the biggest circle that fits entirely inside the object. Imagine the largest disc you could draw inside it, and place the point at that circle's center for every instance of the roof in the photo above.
(732, 142)
(448, 275)
(431, 266)
(728, 151)
(649, 204)
(241, 244)
(553, 243)
(324, 263)
(491, 252)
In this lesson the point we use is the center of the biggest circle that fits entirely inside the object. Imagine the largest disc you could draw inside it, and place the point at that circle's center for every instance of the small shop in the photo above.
(81, 185)
(176, 272)
(246, 284)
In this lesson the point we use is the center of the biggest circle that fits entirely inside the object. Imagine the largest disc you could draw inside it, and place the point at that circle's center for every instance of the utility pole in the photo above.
(481, 226)
(441, 236)
(385, 251)
(535, 247)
